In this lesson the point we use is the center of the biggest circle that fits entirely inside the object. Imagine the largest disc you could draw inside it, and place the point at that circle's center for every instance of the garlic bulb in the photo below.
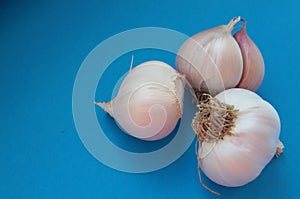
(253, 62)
(238, 133)
(211, 60)
(149, 102)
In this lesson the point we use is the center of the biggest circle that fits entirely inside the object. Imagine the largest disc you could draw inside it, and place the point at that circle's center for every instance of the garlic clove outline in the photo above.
(253, 62)
(211, 60)
(149, 102)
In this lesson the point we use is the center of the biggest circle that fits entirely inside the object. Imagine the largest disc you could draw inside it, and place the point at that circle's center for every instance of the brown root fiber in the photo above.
(212, 123)
(214, 120)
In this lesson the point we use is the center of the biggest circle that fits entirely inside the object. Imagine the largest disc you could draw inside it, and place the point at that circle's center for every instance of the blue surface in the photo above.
(42, 45)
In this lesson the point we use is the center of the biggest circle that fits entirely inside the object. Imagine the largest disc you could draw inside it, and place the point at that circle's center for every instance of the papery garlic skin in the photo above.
(149, 102)
(239, 158)
(211, 60)
(253, 62)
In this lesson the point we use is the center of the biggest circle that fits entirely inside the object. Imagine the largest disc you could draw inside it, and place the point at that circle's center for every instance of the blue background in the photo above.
(42, 45)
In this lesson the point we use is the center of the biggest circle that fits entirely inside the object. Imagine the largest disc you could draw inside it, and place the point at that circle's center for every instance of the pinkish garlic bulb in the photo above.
(149, 102)
(212, 59)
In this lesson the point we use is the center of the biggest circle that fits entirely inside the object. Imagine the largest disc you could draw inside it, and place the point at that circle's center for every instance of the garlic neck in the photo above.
(232, 23)
(214, 120)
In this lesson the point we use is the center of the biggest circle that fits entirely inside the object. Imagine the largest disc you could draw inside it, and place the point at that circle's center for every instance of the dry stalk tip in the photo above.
(279, 150)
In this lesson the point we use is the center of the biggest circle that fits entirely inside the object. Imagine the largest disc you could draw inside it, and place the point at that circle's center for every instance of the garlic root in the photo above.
(214, 120)
(200, 178)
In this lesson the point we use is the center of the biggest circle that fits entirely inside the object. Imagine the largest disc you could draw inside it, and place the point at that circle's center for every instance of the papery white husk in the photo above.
(238, 159)
(149, 102)
(211, 60)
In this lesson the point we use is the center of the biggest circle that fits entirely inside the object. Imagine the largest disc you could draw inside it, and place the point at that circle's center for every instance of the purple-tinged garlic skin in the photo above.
(253, 62)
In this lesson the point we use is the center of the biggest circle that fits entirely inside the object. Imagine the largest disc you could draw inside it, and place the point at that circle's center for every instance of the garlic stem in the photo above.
(244, 24)
(231, 24)
(243, 29)
(279, 150)
(107, 107)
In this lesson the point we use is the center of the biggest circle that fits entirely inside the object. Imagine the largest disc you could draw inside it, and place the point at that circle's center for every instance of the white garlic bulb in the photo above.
(238, 133)
(211, 60)
(149, 102)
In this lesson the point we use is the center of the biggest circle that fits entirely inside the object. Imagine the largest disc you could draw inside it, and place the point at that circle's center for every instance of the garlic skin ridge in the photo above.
(149, 102)
(239, 158)
(211, 60)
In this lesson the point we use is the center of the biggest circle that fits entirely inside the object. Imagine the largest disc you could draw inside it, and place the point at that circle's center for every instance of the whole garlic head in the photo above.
(240, 155)
(149, 102)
